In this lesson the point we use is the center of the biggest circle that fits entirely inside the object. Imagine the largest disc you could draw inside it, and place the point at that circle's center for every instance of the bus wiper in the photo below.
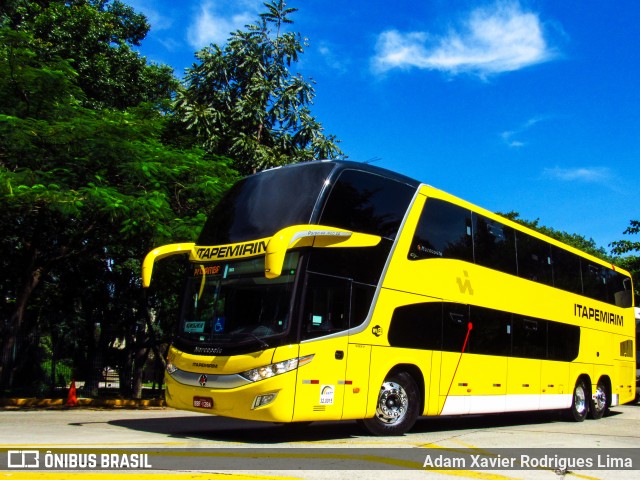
(264, 345)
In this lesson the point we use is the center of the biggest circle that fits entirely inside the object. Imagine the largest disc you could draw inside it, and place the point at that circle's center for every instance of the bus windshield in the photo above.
(231, 303)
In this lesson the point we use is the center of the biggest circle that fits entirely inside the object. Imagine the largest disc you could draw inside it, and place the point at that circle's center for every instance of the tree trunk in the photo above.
(138, 370)
(15, 326)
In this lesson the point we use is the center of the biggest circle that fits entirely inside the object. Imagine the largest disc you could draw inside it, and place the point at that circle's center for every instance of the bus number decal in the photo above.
(326, 395)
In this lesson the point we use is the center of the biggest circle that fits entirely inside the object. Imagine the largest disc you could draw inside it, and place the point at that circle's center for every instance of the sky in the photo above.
(526, 106)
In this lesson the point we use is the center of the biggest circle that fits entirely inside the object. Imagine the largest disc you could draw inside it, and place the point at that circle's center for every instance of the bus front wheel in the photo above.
(580, 402)
(397, 408)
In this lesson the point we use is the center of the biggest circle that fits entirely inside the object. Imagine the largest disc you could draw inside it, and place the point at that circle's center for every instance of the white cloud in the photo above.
(512, 137)
(216, 19)
(580, 174)
(332, 59)
(496, 39)
(157, 20)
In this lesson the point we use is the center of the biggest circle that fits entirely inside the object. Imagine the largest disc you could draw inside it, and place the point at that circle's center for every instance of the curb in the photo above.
(82, 402)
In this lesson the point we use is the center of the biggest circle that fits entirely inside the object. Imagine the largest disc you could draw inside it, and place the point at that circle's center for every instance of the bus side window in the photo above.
(566, 270)
(529, 338)
(326, 305)
(491, 333)
(563, 342)
(455, 326)
(494, 245)
(534, 259)
(417, 326)
(620, 289)
(595, 280)
(443, 231)
(376, 204)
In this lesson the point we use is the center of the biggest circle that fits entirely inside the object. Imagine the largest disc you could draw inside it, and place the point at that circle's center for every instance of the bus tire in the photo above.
(580, 401)
(599, 401)
(397, 408)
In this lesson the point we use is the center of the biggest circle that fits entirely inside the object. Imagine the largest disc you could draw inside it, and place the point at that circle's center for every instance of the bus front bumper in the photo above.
(269, 400)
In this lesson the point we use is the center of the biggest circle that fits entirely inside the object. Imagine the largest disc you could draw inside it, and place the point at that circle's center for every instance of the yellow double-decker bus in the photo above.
(336, 290)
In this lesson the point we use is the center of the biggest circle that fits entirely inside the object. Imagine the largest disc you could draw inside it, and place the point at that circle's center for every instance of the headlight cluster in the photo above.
(268, 371)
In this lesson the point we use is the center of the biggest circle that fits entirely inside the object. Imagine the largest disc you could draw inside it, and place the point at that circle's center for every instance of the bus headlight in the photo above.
(268, 371)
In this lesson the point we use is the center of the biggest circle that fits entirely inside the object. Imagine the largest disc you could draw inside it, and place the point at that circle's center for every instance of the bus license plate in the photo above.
(203, 402)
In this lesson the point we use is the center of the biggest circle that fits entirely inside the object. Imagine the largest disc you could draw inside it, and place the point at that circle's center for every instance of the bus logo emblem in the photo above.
(202, 380)
(377, 330)
(465, 285)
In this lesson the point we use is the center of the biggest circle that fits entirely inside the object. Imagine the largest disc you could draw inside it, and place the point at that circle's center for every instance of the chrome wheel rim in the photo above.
(580, 400)
(600, 399)
(392, 403)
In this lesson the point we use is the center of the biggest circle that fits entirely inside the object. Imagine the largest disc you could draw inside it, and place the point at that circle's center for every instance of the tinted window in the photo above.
(495, 245)
(595, 280)
(417, 326)
(326, 306)
(260, 205)
(620, 289)
(444, 326)
(443, 231)
(491, 332)
(566, 270)
(367, 203)
(455, 325)
(361, 298)
(363, 264)
(563, 342)
(529, 337)
(534, 259)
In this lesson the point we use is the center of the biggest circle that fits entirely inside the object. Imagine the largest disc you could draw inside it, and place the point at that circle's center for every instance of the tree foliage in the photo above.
(629, 251)
(573, 239)
(86, 192)
(242, 101)
(96, 38)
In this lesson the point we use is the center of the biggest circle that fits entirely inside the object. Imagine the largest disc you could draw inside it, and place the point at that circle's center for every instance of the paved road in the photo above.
(166, 428)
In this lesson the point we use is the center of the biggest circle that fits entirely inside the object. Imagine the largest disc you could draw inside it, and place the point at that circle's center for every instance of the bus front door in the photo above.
(321, 383)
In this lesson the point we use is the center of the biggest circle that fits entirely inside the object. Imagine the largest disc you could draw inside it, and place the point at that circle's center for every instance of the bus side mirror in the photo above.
(159, 253)
(310, 236)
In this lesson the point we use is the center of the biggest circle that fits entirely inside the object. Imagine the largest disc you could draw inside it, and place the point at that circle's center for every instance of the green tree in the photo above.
(85, 194)
(96, 37)
(242, 101)
(573, 239)
(627, 251)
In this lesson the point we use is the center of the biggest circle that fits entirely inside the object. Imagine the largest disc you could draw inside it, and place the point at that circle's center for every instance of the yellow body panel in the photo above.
(356, 392)
(321, 384)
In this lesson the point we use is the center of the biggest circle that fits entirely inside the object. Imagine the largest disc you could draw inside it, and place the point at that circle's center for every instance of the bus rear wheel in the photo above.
(598, 403)
(580, 402)
(397, 408)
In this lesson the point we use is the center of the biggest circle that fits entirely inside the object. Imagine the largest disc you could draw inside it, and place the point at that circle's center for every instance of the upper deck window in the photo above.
(367, 203)
(444, 231)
